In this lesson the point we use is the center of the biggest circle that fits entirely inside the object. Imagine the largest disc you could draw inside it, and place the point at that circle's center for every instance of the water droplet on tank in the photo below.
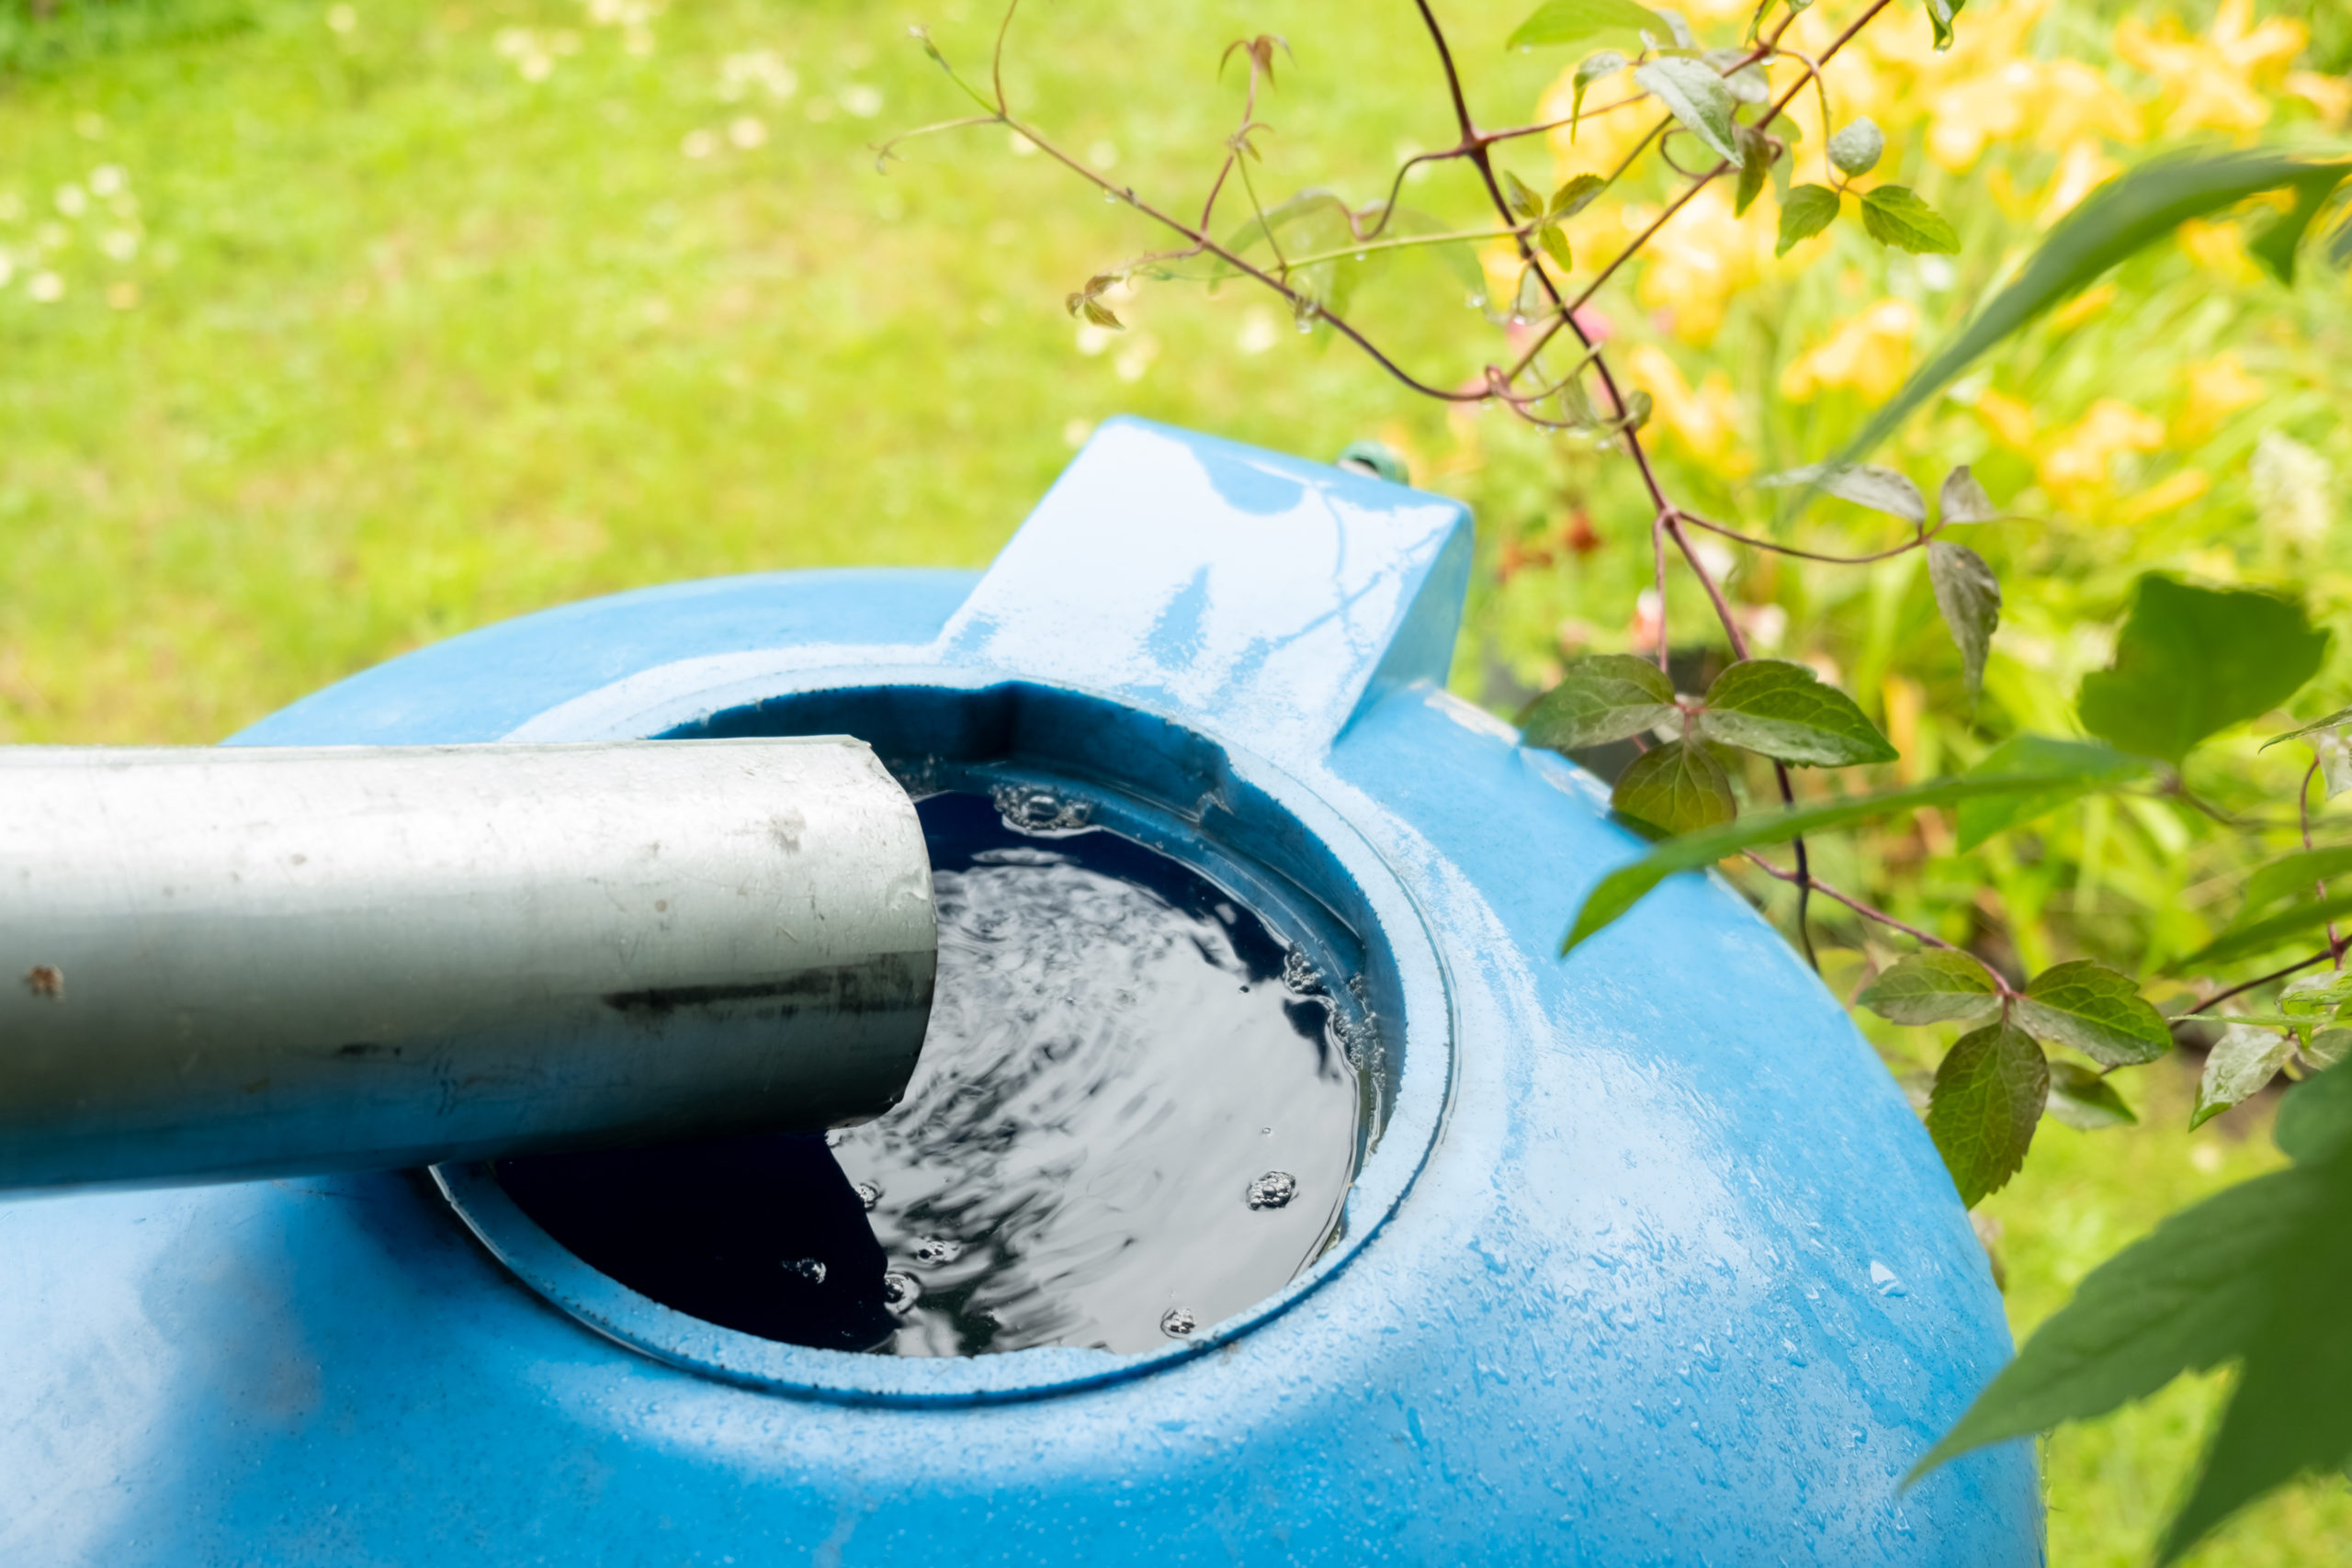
(869, 1194)
(900, 1291)
(1883, 1278)
(1273, 1190)
(938, 1249)
(1176, 1322)
(808, 1269)
(1299, 976)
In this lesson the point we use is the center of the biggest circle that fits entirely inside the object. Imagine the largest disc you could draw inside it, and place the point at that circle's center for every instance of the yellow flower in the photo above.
(2077, 468)
(2082, 168)
(2008, 418)
(1702, 258)
(2217, 389)
(2219, 249)
(1707, 419)
(2171, 494)
(1871, 354)
(2332, 96)
(2213, 82)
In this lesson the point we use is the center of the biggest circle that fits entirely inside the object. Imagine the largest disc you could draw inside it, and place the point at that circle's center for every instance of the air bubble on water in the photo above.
(1176, 1322)
(1273, 1190)
(1299, 974)
(900, 1291)
(1883, 1278)
(808, 1269)
(938, 1249)
(1028, 809)
(869, 1194)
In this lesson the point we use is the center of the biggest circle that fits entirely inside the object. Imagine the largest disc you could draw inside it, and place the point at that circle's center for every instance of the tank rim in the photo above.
(1421, 1085)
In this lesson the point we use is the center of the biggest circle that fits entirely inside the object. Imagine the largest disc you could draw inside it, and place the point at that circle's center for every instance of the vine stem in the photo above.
(2244, 985)
(2304, 814)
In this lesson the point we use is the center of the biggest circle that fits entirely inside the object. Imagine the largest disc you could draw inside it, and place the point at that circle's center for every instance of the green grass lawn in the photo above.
(327, 330)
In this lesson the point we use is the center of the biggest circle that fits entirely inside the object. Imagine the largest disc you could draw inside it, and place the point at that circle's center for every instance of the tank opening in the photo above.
(1137, 1112)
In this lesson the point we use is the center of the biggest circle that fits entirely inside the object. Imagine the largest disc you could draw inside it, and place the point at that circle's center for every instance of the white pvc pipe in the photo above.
(225, 963)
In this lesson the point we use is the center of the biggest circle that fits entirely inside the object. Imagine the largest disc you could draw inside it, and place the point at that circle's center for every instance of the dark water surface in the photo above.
(1126, 1123)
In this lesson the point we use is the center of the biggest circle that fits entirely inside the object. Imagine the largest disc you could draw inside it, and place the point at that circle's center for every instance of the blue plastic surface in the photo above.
(1653, 1265)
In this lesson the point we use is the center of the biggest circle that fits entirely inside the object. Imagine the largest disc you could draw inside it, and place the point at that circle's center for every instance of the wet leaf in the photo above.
(1856, 149)
(1524, 204)
(1748, 84)
(2086, 766)
(2085, 1100)
(1607, 62)
(1625, 886)
(1880, 490)
(1932, 987)
(1782, 710)
(1969, 595)
(1676, 788)
(1755, 161)
(1940, 13)
(1805, 211)
(2094, 1010)
(2119, 218)
(2239, 1065)
(1601, 697)
(2193, 661)
(1697, 97)
(2326, 1047)
(1988, 1096)
(2241, 1277)
(1573, 21)
(1574, 195)
(1555, 245)
(1893, 215)
(1962, 500)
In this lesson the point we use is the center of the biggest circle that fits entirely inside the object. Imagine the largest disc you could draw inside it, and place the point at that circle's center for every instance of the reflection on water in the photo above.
(1126, 1123)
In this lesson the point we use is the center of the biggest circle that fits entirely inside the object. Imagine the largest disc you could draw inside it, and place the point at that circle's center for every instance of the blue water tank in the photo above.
(1646, 1260)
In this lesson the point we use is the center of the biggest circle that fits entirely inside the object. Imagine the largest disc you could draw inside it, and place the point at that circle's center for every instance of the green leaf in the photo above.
(1574, 195)
(2263, 935)
(1677, 788)
(2313, 996)
(2193, 661)
(1573, 21)
(2086, 767)
(1696, 96)
(2085, 1100)
(1856, 149)
(2274, 248)
(1601, 697)
(1962, 500)
(2336, 720)
(1969, 595)
(1555, 245)
(2294, 877)
(1607, 62)
(1893, 215)
(2327, 1047)
(1988, 1096)
(1782, 710)
(1805, 211)
(1624, 888)
(2200, 1290)
(1746, 82)
(2095, 1009)
(2124, 216)
(1755, 161)
(1940, 13)
(1930, 987)
(1524, 204)
(1880, 490)
(2239, 1066)
(2315, 1118)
